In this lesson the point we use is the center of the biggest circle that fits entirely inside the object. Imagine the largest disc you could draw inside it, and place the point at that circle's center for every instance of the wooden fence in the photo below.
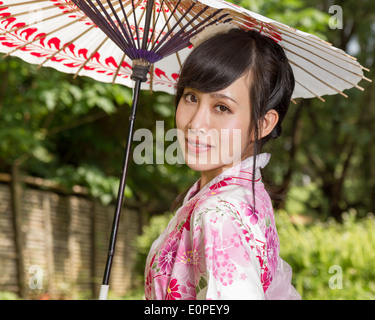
(55, 245)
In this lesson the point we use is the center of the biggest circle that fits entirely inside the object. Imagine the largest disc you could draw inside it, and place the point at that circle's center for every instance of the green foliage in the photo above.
(316, 252)
(333, 141)
(293, 13)
(135, 294)
(73, 131)
(319, 252)
(306, 198)
(5, 295)
(142, 243)
(42, 110)
(100, 186)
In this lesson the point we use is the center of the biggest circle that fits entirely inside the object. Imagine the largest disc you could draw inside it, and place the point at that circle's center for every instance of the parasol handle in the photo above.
(120, 196)
(103, 295)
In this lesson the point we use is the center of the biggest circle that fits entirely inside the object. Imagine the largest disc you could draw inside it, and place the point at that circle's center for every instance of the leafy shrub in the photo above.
(330, 260)
(6, 295)
(143, 242)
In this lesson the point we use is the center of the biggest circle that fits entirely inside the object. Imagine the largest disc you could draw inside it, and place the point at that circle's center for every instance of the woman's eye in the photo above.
(222, 109)
(191, 98)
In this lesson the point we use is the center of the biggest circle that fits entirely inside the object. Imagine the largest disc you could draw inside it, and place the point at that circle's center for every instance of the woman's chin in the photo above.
(203, 163)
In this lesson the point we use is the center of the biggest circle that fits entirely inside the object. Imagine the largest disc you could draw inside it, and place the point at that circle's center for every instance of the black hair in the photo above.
(222, 59)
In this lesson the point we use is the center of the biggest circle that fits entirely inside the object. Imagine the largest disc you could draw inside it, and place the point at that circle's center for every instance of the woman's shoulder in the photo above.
(236, 203)
(237, 195)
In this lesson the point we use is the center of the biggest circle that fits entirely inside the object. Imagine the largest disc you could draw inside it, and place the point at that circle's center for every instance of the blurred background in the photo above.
(61, 149)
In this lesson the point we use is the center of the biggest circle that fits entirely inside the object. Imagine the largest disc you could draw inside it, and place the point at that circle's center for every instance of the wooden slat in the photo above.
(71, 248)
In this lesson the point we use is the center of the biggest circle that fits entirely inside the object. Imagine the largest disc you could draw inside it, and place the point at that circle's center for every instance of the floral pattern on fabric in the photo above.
(218, 246)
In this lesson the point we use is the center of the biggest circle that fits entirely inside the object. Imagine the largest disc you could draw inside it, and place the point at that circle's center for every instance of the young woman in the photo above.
(232, 95)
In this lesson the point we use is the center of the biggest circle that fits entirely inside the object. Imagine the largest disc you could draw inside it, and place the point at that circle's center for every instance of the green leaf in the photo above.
(105, 104)
(202, 283)
(50, 98)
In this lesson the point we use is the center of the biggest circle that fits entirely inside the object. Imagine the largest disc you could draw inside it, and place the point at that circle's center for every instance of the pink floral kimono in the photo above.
(218, 247)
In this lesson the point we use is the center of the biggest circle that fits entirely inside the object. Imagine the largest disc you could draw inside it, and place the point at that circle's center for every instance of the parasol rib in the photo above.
(311, 74)
(155, 21)
(41, 36)
(174, 27)
(118, 69)
(136, 24)
(323, 44)
(312, 92)
(95, 15)
(152, 70)
(126, 16)
(166, 24)
(337, 54)
(320, 44)
(110, 27)
(130, 40)
(173, 13)
(146, 30)
(176, 35)
(200, 26)
(320, 57)
(90, 57)
(192, 32)
(32, 23)
(327, 70)
(65, 46)
(184, 8)
(20, 14)
(22, 3)
(177, 55)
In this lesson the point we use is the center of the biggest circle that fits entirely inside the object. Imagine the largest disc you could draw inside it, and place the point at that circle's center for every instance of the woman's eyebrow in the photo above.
(221, 96)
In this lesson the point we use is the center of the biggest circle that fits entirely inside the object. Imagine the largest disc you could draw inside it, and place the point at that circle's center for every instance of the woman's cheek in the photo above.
(230, 145)
(182, 116)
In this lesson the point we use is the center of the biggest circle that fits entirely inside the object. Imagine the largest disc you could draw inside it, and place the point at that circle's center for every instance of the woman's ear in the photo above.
(268, 124)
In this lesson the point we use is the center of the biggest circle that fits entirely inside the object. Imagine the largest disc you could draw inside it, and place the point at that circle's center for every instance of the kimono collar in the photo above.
(242, 172)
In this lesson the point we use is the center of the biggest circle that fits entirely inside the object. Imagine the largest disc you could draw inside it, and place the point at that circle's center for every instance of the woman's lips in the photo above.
(195, 146)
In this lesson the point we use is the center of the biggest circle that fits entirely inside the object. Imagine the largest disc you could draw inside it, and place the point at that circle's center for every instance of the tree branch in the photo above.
(78, 122)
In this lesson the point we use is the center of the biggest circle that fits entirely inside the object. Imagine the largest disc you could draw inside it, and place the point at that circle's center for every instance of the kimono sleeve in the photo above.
(229, 268)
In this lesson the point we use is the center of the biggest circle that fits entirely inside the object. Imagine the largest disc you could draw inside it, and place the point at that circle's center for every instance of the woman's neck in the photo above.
(207, 176)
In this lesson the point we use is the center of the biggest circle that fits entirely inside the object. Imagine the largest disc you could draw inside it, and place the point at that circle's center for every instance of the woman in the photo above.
(232, 95)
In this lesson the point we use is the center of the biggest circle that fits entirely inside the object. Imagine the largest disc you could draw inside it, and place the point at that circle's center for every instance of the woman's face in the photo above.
(214, 127)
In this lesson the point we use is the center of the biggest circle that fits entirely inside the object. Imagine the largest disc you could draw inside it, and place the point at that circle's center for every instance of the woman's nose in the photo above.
(200, 119)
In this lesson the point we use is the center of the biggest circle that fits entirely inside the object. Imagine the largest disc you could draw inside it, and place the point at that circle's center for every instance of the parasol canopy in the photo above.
(100, 38)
